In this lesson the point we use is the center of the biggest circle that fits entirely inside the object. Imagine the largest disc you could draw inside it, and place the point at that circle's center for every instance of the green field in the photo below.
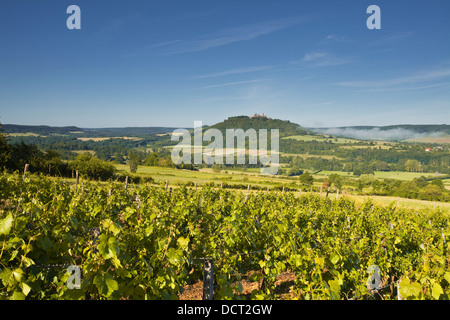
(401, 202)
(436, 140)
(403, 175)
(397, 175)
(322, 139)
(174, 176)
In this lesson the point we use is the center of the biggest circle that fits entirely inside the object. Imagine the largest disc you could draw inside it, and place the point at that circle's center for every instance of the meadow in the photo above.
(252, 177)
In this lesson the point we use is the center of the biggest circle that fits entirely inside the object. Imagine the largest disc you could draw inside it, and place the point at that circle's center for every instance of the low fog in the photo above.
(375, 133)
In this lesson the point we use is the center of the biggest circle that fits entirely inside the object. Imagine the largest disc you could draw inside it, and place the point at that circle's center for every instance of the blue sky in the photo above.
(169, 63)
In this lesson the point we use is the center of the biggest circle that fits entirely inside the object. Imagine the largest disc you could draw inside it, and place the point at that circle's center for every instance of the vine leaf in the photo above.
(6, 224)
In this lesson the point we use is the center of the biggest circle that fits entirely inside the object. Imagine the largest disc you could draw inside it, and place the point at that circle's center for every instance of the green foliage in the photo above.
(93, 167)
(286, 128)
(5, 150)
(294, 171)
(151, 159)
(134, 159)
(152, 249)
(306, 179)
(336, 180)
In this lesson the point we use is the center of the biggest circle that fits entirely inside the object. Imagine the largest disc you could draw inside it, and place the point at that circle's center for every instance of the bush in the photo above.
(93, 167)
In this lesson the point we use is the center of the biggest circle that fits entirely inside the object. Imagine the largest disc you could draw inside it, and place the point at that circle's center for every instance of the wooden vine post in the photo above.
(208, 279)
(25, 170)
(137, 207)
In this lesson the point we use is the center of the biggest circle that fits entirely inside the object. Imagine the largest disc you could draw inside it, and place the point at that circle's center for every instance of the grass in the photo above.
(96, 139)
(401, 202)
(306, 156)
(378, 146)
(397, 175)
(438, 140)
(28, 134)
(92, 152)
(250, 176)
(322, 139)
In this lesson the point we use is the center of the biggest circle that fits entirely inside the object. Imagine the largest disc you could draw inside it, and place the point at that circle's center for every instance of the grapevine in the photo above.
(148, 242)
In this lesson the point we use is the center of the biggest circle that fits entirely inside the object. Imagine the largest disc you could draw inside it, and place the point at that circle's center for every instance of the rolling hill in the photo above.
(286, 127)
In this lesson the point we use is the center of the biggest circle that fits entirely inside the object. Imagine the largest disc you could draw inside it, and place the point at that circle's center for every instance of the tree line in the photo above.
(402, 157)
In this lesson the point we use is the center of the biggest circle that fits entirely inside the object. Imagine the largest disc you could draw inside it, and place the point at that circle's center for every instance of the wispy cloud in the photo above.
(164, 44)
(415, 79)
(233, 72)
(334, 38)
(234, 83)
(410, 88)
(322, 59)
(314, 56)
(231, 35)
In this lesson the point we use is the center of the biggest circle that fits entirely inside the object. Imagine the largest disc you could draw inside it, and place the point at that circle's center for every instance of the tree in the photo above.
(357, 172)
(5, 150)
(22, 154)
(412, 165)
(93, 167)
(360, 185)
(379, 165)
(430, 192)
(134, 159)
(54, 164)
(306, 179)
(407, 189)
(421, 182)
(439, 183)
(336, 180)
(151, 159)
(294, 171)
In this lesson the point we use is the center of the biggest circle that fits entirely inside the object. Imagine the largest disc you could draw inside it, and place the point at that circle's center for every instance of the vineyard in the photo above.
(151, 242)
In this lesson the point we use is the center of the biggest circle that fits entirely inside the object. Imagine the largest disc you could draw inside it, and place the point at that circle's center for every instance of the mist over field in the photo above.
(377, 133)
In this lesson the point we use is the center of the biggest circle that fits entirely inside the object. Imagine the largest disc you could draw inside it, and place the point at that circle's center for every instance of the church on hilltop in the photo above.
(262, 115)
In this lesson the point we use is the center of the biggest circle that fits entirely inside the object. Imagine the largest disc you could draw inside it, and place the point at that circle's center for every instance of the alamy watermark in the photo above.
(74, 20)
(190, 149)
(73, 282)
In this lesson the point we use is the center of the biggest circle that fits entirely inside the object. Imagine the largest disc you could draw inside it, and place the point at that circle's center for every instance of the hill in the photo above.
(286, 127)
(127, 131)
(91, 132)
(40, 130)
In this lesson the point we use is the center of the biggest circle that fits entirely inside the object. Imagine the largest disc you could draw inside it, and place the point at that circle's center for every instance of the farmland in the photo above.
(138, 227)
(322, 138)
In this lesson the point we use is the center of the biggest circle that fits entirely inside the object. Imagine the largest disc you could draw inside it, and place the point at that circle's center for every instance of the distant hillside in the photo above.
(127, 131)
(41, 130)
(393, 132)
(286, 128)
(92, 132)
